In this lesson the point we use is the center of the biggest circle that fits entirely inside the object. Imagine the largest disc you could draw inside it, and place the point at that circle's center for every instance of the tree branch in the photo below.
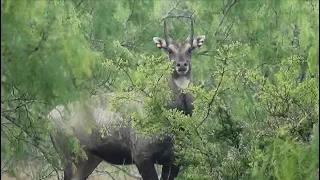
(126, 172)
(212, 99)
(79, 4)
(224, 15)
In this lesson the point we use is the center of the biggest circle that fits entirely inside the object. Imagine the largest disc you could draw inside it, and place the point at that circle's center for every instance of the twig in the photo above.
(44, 36)
(128, 173)
(170, 11)
(79, 4)
(126, 23)
(133, 84)
(212, 99)
(107, 173)
(224, 16)
(7, 162)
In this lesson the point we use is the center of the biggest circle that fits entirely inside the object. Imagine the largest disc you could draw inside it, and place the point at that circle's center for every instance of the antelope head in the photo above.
(180, 53)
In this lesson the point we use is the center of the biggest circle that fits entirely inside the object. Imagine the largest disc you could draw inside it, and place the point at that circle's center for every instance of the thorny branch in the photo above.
(28, 129)
(132, 83)
(44, 36)
(226, 10)
(142, 90)
(6, 163)
(170, 11)
(126, 24)
(224, 15)
(107, 173)
(214, 96)
(79, 4)
(126, 172)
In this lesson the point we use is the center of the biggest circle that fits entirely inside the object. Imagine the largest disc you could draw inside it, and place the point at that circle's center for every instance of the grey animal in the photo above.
(104, 134)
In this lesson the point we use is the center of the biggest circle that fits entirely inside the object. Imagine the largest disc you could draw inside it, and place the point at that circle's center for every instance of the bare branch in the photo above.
(224, 15)
(170, 11)
(107, 173)
(127, 21)
(213, 98)
(225, 12)
(44, 36)
(79, 4)
(126, 172)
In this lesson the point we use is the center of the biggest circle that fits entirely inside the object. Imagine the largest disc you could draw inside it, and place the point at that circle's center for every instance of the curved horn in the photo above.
(191, 33)
(166, 34)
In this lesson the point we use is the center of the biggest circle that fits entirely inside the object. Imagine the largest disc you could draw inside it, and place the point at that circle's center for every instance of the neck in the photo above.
(181, 81)
(180, 101)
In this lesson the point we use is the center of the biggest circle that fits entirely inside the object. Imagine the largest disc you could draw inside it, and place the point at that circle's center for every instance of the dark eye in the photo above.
(169, 51)
(190, 49)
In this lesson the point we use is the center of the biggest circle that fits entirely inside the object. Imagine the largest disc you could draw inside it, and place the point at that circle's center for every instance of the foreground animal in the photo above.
(120, 144)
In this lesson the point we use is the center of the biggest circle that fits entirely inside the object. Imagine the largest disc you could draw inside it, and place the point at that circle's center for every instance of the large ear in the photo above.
(161, 43)
(197, 42)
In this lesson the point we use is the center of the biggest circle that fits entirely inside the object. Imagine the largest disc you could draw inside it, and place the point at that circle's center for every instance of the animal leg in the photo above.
(86, 167)
(147, 170)
(68, 171)
(169, 172)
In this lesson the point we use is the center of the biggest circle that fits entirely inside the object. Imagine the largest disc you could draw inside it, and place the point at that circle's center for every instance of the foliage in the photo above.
(255, 81)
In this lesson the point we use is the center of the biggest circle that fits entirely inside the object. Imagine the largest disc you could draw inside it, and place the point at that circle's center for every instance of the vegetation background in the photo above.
(256, 80)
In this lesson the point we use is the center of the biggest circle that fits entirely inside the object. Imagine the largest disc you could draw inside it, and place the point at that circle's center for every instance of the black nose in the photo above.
(178, 64)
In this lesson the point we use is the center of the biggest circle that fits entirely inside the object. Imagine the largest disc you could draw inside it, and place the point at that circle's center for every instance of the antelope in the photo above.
(123, 145)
